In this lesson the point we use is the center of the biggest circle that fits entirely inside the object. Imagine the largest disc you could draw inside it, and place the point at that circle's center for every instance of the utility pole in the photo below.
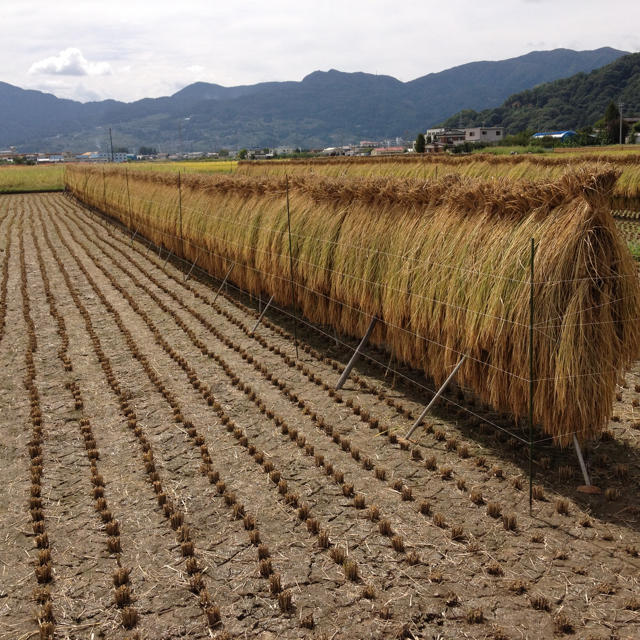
(620, 105)
(111, 141)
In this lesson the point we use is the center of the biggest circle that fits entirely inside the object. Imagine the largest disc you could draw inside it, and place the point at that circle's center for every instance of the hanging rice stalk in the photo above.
(443, 263)
(625, 195)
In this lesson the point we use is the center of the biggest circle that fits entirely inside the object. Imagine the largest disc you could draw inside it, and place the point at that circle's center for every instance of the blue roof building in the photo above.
(557, 135)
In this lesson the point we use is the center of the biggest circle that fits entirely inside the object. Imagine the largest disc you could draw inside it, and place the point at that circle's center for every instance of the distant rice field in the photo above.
(29, 178)
(218, 166)
(14, 179)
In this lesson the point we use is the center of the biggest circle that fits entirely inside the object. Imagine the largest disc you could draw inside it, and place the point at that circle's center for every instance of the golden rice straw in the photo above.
(444, 263)
(626, 194)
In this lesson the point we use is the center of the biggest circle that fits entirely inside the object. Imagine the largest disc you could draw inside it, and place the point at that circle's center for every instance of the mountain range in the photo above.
(325, 108)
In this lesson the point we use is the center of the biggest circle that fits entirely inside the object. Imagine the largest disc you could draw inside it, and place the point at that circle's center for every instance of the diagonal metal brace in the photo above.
(261, 316)
(356, 353)
(191, 269)
(440, 391)
(583, 466)
(233, 264)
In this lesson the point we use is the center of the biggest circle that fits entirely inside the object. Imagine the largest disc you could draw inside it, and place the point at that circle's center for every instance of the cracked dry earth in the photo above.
(167, 474)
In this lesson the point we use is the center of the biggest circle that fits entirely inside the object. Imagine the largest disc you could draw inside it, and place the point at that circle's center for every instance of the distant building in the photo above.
(100, 156)
(54, 157)
(484, 134)
(387, 151)
(338, 151)
(556, 135)
(432, 133)
(447, 136)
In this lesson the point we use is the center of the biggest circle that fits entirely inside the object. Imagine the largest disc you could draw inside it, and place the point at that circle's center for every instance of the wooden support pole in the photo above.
(440, 391)
(233, 264)
(356, 353)
(261, 316)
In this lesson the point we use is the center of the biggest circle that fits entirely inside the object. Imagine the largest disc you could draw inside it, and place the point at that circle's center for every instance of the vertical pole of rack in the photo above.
(180, 212)
(126, 175)
(104, 190)
(531, 315)
(86, 182)
(293, 293)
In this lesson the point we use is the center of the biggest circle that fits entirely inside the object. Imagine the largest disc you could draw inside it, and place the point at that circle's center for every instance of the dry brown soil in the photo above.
(149, 439)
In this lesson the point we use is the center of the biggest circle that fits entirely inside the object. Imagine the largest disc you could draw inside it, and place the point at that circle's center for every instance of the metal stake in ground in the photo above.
(233, 264)
(440, 391)
(531, 315)
(261, 316)
(167, 258)
(293, 293)
(191, 269)
(588, 487)
(356, 353)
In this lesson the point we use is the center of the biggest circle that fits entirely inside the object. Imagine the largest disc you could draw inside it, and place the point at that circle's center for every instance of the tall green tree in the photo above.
(612, 123)
(420, 143)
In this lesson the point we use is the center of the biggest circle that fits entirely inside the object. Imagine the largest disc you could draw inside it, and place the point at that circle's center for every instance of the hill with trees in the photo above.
(577, 102)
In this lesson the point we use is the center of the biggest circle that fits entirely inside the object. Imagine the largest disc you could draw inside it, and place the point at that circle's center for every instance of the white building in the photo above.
(431, 134)
(484, 134)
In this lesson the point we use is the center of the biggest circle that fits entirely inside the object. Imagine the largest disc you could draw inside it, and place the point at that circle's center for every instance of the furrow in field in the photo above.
(174, 514)
(41, 558)
(16, 535)
(106, 580)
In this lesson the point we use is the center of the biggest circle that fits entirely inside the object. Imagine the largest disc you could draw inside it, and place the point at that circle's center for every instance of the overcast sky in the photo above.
(130, 49)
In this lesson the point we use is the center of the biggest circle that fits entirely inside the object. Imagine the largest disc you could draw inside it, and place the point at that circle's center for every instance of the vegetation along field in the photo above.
(51, 177)
(28, 178)
(171, 471)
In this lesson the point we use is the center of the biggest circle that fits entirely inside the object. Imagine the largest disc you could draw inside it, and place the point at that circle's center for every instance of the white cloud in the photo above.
(196, 68)
(70, 62)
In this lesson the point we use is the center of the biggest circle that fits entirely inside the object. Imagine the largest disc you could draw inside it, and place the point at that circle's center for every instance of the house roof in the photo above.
(554, 134)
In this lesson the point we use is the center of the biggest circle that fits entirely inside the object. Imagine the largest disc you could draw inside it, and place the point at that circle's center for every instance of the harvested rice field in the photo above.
(167, 472)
